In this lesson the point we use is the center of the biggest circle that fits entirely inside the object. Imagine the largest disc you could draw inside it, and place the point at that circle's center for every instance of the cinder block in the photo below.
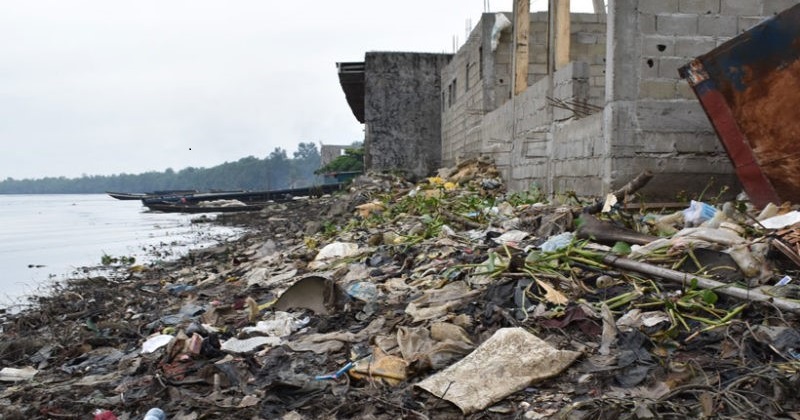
(701, 7)
(596, 50)
(649, 67)
(747, 22)
(656, 143)
(668, 67)
(676, 24)
(538, 38)
(773, 7)
(657, 89)
(501, 159)
(672, 116)
(742, 7)
(502, 58)
(538, 52)
(584, 38)
(588, 27)
(597, 70)
(656, 45)
(584, 17)
(684, 91)
(538, 17)
(580, 70)
(705, 143)
(647, 23)
(535, 149)
(538, 68)
(658, 6)
(717, 25)
(536, 168)
(694, 46)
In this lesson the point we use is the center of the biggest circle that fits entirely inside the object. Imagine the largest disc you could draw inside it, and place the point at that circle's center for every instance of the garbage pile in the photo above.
(447, 298)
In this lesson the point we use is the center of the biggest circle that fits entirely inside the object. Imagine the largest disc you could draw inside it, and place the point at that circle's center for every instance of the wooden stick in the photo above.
(631, 187)
(674, 276)
(607, 232)
(460, 219)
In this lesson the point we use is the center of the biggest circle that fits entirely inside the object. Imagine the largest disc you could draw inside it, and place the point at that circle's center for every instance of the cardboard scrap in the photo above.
(505, 363)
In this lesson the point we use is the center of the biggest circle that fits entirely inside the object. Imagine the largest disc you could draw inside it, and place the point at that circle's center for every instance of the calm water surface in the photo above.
(46, 238)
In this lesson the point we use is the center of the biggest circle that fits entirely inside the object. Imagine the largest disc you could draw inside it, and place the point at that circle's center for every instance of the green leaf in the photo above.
(709, 297)
(621, 248)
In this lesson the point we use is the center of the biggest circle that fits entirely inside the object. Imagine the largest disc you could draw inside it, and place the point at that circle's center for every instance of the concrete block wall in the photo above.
(462, 99)
(653, 118)
(531, 144)
(402, 112)
(497, 139)
(464, 120)
(559, 151)
(572, 85)
(588, 44)
(577, 157)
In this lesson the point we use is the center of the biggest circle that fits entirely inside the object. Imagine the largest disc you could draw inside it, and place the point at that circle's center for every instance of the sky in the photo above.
(98, 87)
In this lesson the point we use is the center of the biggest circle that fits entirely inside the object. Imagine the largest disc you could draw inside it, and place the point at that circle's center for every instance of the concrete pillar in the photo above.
(623, 50)
(599, 6)
(522, 25)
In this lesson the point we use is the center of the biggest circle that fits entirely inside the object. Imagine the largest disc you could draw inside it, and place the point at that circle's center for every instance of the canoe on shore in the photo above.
(246, 196)
(143, 196)
(170, 207)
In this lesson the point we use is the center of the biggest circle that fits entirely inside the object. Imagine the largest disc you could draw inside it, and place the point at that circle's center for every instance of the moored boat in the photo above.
(227, 206)
(148, 195)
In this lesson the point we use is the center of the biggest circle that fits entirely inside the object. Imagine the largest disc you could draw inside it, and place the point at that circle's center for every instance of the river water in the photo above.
(47, 238)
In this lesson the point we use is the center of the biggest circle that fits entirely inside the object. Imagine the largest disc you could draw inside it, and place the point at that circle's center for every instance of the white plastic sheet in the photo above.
(507, 362)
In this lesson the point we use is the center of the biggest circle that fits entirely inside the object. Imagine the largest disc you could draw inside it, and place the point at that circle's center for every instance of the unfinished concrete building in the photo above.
(396, 96)
(585, 102)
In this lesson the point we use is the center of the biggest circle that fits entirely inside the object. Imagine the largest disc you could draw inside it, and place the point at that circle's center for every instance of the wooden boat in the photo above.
(246, 196)
(149, 195)
(126, 196)
(173, 207)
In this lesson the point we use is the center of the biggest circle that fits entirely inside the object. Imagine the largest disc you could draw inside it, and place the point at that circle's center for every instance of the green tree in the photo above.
(306, 160)
(351, 160)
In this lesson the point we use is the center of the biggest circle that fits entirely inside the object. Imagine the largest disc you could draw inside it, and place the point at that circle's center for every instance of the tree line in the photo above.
(275, 171)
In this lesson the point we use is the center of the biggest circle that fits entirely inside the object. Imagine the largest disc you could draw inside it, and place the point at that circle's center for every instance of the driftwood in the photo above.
(786, 250)
(631, 187)
(607, 232)
(754, 295)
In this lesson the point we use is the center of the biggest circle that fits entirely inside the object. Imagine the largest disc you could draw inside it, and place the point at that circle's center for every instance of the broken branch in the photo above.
(684, 278)
(631, 187)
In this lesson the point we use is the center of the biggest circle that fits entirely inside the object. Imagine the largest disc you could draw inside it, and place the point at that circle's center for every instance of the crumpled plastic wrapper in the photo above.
(507, 362)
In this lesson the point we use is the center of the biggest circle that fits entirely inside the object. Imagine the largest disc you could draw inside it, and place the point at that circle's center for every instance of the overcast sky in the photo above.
(103, 87)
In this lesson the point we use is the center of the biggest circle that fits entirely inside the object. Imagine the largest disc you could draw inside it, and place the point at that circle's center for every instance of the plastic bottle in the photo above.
(155, 414)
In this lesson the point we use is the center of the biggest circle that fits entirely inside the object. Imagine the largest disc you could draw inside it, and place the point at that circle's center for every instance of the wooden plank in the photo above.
(562, 33)
(522, 25)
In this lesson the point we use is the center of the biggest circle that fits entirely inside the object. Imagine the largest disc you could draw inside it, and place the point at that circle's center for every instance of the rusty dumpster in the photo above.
(750, 89)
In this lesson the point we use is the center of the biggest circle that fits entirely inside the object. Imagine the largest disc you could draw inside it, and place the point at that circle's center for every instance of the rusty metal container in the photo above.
(750, 90)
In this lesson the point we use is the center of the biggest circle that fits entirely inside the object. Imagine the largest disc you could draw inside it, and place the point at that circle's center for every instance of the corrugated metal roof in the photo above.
(351, 77)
